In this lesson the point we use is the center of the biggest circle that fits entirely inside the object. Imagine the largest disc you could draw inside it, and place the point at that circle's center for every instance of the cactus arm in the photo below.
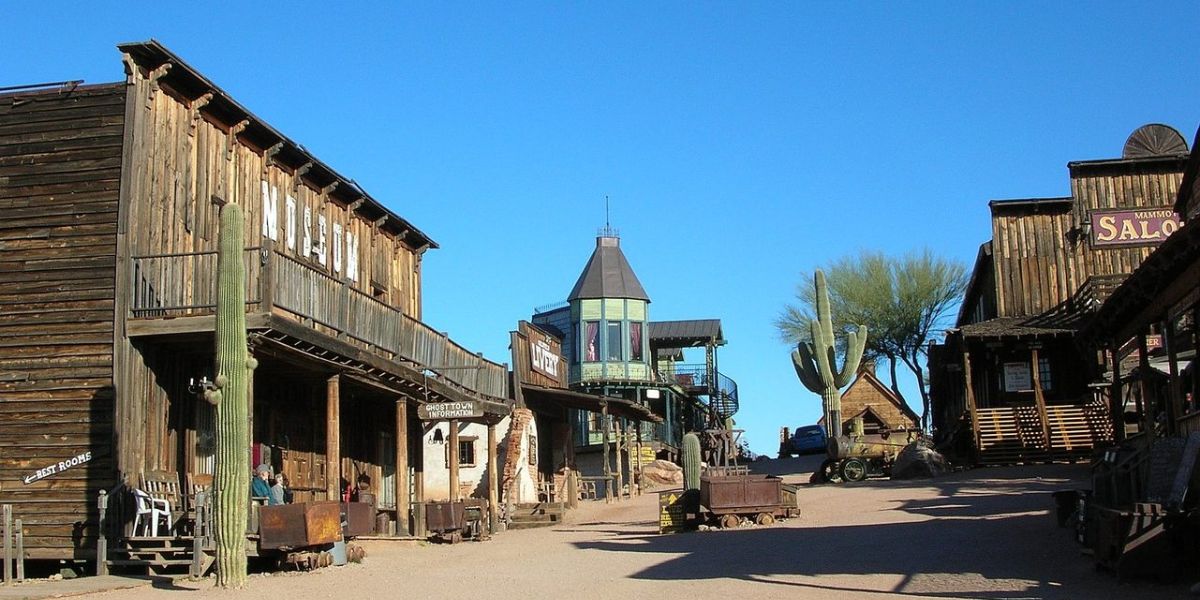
(802, 359)
(855, 345)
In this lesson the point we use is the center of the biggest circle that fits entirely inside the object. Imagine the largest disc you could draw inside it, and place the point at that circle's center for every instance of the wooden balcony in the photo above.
(176, 293)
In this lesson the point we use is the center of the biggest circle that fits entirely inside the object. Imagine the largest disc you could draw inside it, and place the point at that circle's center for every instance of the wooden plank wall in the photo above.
(1037, 265)
(185, 158)
(1138, 185)
(60, 157)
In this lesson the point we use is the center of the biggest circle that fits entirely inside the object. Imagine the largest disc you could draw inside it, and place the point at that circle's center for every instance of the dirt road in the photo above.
(979, 534)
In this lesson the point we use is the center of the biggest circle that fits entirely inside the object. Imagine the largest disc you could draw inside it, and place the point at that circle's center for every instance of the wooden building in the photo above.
(1011, 380)
(1159, 302)
(614, 349)
(880, 408)
(110, 195)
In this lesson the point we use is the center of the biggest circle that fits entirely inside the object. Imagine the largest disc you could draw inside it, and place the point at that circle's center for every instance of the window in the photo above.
(615, 343)
(591, 341)
(635, 341)
(466, 452)
(1044, 373)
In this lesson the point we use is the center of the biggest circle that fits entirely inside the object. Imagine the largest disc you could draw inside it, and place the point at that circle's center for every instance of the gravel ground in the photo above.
(986, 533)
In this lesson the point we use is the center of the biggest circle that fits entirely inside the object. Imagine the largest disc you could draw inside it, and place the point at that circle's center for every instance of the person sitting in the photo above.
(280, 494)
(261, 486)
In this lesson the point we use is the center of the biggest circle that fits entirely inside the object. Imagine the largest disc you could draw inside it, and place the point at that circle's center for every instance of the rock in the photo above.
(662, 472)
(919, 460)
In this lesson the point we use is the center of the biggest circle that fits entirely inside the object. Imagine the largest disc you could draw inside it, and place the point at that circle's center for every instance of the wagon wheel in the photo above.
(729, 521)
(764, 518)
(854, 470)
(829, 471)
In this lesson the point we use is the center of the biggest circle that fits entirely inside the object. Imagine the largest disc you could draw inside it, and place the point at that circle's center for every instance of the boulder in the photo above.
(662, 472)
(919, 460)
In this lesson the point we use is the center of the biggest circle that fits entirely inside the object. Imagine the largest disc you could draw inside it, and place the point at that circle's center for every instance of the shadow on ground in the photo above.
(994, 538)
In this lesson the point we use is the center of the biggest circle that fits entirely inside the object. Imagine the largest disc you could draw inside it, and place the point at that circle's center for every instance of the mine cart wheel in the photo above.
(854, 470)
(730, 521)
(764, 519)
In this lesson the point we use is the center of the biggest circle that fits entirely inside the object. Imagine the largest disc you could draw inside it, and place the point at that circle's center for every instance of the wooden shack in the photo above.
(1011, 379)
(110, 195)
(880, 408)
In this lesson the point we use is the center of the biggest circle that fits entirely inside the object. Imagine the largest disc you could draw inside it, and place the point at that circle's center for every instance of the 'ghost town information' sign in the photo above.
(1132, 227)
(445, 411)
(57, 468)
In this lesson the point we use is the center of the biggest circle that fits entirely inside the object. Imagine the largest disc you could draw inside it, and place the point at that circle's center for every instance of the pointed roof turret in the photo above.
(608, 274)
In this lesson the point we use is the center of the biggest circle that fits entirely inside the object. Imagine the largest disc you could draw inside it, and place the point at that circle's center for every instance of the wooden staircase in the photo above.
(538, 514)
(1014, 434)
(160, 556)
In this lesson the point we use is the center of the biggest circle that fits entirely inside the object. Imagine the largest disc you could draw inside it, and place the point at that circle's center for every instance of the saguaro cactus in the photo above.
(691, 462)
(816, 361)
(234, 364)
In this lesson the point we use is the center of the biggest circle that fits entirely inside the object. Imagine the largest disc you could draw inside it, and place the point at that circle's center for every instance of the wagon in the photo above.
(730, 498)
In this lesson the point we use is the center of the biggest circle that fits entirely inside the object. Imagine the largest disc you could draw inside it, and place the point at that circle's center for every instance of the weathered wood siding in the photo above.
(864, 393)
(1132, 185)
(187, 161)
(1040, 262)
(60, 164)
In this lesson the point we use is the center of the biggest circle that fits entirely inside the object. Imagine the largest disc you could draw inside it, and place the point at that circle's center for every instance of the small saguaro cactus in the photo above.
(816, 361)
(691, 462)
(234, 365)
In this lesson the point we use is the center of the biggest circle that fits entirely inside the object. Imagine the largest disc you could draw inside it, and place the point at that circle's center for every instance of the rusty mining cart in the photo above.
(858, 456)
(730, 494)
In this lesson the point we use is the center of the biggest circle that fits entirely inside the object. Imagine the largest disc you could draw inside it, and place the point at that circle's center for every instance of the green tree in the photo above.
(904, 301)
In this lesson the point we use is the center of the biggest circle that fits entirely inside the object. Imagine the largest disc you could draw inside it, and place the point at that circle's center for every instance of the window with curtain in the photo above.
(591, 341)
(615, 342)
(635, 341)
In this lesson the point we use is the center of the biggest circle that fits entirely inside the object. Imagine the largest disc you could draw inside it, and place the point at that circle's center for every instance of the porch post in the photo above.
(1144, 386)
(607, 464)
(970, 396)
(419, 487)
(621, 444)
(1043, 416)
(333, 447)
(638, 450)
(452, 440)
(1174, 385)
(1116, 404)
(492, 479)
(402, 504)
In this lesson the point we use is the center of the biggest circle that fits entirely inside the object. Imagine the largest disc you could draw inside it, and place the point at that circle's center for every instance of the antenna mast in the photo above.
(608, 231)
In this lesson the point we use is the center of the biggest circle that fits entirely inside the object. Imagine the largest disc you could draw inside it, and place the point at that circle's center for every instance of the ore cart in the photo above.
(730, 498)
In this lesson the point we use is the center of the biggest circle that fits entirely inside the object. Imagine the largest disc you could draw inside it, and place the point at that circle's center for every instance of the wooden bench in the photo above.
(164, 485)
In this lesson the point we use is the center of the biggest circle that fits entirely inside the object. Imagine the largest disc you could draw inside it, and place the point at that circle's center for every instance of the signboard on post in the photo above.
(1017, 377)
(447, 411)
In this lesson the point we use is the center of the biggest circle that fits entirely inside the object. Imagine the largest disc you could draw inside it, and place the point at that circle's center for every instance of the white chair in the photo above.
(154, 509)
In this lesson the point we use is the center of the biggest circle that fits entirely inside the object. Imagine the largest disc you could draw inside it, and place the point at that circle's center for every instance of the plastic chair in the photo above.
(154, 508)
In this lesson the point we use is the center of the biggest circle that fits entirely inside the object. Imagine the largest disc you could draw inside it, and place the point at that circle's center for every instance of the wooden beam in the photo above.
(1144, 390)
(493, 479)
(333, 448)
(1116, 402)
(607, 463)
(970, 397)
(402, 502)
(452, 440)
(1039, 398)
(621, 444)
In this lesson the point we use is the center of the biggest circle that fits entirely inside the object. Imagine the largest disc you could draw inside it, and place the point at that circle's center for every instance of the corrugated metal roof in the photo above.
(682, 334)
(608, 274)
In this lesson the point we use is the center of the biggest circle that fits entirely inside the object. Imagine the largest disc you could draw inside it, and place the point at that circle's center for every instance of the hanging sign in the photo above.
(446, 411)
(1017, 377)
(57, 468)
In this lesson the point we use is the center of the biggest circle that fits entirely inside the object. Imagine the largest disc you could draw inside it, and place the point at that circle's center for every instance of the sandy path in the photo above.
(979, 534)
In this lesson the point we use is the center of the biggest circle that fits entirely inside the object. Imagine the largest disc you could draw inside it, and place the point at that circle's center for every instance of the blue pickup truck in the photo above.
(809, 439)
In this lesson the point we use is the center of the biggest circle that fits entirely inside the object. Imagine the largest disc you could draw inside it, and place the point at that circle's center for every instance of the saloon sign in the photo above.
(1132, 227)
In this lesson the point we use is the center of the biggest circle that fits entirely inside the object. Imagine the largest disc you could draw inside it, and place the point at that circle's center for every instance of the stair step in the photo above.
(149, 563)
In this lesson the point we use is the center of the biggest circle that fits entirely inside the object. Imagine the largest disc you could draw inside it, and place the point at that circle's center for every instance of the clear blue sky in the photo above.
(742, 144)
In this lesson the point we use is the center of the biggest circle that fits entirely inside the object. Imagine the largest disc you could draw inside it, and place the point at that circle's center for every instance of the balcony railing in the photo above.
(183, 284)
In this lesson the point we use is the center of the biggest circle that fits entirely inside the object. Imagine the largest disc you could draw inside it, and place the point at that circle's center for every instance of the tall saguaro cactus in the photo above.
(816, 361)
(232, 479)
(691, 462)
